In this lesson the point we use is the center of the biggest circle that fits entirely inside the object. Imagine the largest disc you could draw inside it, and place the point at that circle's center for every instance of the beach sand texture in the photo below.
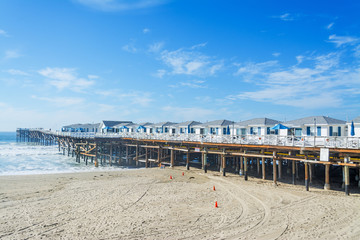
(147, 204)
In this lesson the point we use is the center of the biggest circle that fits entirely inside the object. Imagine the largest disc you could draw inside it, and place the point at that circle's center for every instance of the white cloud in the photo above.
(255, 68)
(330, 26)
(160, 73)
(3, 33)
(324, 82)
(128, 97)
(130, 48)
(276, 54)
(285, 17)
(61, 101)
(146, 30)
(63, 78)
(190, 84)
(120, 5)
(93, 76)
(193, 112)
(156, 47)
(10, 54)
(341, 40)
(191, 62)
(16, 72)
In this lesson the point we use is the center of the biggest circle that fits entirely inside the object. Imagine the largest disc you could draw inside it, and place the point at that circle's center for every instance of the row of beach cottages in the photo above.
(309, 126)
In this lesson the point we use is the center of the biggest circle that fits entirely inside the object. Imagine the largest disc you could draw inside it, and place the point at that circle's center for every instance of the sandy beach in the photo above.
(147, 204)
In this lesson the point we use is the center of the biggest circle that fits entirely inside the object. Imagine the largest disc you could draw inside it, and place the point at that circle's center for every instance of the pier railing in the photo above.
(275, 140)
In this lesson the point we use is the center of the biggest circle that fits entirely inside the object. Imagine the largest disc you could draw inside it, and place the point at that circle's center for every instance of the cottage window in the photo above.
(318, 131)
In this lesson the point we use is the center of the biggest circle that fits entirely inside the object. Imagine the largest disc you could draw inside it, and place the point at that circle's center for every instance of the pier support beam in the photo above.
(327, 177)
(346, 175)
(159, 156)
(293, 166)
(263, 168)
(245, 169)
(223, 163)
(306, 176)
(274, 169)
(205, 161)
(258, 166)
(127, 155)
(146, 158)
(111, 154)
(96, 155)
(241, 166)
(172, 158)
(188, 160)
(236, 164)
(280, 169)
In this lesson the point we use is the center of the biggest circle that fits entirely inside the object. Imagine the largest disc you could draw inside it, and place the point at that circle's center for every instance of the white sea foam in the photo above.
(24, 159)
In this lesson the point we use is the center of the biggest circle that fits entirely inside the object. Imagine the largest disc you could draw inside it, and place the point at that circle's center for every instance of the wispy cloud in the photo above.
(160, 73)
(3, 33)
(276, 54)
(93, 76)
(255, 68)
(130, 48)
(342, 40)
(63, 78)
(61, 101)
(330, 26)
(285, 17)
(156, 47)
(190, 84)
(120, 5)
(11, 54)
(129, 97)
(16, 72)
(324, 82)
(190, 61)
(146, 30)
(194, 112)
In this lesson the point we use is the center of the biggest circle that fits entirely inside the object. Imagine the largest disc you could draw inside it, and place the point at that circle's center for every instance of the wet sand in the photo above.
(147, 204)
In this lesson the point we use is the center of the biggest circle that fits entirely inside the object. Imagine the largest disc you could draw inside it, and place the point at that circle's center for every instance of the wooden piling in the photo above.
(188, 160)
(258, 166)
(245, 168)
(237, 165)
(263, 168)
(346, 175)
(293, 166)
(223, 162)
(274, 169)
(280, 169)
(327, 177)
(306, 176)
(205, 161)
(241, 166)
(172, 158)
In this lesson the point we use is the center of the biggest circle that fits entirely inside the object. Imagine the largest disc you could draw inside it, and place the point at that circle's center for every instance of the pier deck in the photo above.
(267, 157)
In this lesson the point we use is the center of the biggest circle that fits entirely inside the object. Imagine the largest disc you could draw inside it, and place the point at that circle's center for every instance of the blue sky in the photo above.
(71, 61)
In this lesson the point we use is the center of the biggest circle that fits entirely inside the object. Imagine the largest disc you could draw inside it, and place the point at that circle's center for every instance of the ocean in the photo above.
(18, 158)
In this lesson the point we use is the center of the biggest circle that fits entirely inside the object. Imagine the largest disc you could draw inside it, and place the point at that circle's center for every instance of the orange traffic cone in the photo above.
(216, 205)
(183, 173)
(214, 188)
(170, 177)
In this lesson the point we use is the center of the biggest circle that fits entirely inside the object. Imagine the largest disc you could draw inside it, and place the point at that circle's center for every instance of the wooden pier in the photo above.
(303, 165)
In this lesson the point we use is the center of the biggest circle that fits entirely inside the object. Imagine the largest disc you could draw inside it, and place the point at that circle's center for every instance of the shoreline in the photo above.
(147, 204)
